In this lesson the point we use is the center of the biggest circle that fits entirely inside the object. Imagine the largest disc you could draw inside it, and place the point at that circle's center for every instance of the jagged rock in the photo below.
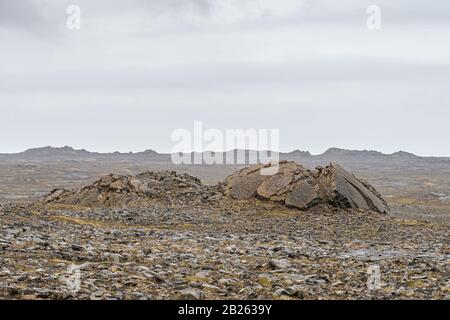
(298, 187)
(303, 197)
(126, 190)
(242, 189)
(350, 192)
(249, 182)
(293, 185)
(272, 186)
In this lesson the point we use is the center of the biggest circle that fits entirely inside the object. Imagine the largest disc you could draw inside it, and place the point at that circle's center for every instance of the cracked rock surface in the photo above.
(298, 187)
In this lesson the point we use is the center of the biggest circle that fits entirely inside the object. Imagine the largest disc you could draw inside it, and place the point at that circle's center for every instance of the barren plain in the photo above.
(214, 247)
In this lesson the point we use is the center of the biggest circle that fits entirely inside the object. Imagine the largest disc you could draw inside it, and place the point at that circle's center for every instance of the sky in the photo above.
(137, 70)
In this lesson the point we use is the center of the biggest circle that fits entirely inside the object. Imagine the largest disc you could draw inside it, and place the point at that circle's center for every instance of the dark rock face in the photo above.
(298, 187)
(350, 192)
(303, 197)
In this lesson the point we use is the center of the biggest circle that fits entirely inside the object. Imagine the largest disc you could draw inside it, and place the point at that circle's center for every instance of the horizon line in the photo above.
(224, 151)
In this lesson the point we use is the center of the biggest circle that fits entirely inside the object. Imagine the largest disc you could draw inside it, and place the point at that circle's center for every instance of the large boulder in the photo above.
(304, 196)
(295, 186)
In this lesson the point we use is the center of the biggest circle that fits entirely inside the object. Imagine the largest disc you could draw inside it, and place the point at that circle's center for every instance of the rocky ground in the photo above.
(165, 235)
(218, 249)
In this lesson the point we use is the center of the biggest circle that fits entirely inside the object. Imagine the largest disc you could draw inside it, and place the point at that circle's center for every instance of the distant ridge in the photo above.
(299, 153)
(332, 154)
(403, 154)
(55, 151)
(335, 153)
(69, 153)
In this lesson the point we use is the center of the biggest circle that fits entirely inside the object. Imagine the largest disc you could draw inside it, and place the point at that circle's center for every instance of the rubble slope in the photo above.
(128, 191)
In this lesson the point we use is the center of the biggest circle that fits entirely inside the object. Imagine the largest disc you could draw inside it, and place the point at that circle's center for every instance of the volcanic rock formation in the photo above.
(126, 190)
(295, 186)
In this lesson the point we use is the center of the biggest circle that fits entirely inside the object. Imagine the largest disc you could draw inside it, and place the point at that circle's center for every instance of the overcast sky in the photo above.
(137, 70)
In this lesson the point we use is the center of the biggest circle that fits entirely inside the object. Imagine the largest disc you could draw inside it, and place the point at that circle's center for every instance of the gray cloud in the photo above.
(148, 67)
(226, 75)
(33, 16)
(46, 15)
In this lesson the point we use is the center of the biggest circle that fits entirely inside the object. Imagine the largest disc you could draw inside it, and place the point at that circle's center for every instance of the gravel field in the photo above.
(218, 250)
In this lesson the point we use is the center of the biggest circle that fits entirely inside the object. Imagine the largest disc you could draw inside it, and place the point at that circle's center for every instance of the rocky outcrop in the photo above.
(126, 190)
(296, 186)
(293, 186)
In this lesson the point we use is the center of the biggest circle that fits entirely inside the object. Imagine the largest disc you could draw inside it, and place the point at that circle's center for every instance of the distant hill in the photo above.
(339, 154)
(69, 153)
(52, 153)
(331, 155)
(336, 153)
(349, 157)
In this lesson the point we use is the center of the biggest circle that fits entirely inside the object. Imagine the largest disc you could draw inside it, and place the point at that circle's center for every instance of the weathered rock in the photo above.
(293, 185)
(126, 190)
(249, 182)
(272, 186)
(298, 187)
(242, 189)
(279, 263)
(192, 294)
(303, 196)
(349, 191)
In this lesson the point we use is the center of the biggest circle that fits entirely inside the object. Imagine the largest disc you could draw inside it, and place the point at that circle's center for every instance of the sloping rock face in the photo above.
(295, 186)
(126, 190)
